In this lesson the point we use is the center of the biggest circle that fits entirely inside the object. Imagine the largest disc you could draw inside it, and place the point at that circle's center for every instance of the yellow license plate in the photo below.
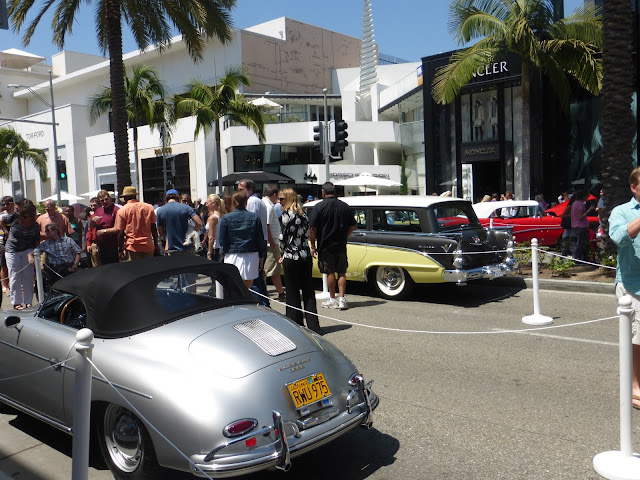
(308, 390)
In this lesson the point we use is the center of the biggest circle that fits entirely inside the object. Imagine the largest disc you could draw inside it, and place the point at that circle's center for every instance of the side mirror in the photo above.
(12, 320)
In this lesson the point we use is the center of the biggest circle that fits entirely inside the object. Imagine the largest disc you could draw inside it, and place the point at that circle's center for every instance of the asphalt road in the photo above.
(461, 398)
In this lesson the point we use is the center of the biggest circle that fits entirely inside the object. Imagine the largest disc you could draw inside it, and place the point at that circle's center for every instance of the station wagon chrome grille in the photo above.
(266, 337)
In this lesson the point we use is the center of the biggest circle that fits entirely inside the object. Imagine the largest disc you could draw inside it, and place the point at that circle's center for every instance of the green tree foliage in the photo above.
(13, 146)
(145, 101)
(152, 23)
(210, 103)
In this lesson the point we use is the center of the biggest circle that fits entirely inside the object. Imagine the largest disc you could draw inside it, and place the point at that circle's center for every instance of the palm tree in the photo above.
(152, 23)
(559, 48)
(12, 145)
(145, 101)
(210, 104)
(617, 121)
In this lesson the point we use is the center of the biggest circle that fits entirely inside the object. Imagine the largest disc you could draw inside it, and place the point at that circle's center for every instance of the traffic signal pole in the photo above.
(326, 144)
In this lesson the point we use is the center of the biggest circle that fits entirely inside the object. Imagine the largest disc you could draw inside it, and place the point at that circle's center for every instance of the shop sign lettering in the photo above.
(342, 176)
(491, 69)
(36, 134)
(470, 152)
(480, 151)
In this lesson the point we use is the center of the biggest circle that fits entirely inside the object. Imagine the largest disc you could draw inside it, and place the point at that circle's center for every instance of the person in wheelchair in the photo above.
(63, 254)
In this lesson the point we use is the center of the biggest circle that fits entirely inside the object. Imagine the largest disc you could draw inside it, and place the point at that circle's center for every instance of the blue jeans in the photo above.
(260, 287)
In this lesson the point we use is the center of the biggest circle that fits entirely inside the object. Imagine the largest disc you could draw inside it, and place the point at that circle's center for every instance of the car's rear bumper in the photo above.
(241, 465)
(462, 276)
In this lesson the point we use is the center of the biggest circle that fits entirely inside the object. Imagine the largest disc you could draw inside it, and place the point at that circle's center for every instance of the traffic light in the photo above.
(318, 136)
(61, 168)
(341, 135)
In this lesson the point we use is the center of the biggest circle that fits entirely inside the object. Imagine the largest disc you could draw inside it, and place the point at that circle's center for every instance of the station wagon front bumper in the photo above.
(462, 276)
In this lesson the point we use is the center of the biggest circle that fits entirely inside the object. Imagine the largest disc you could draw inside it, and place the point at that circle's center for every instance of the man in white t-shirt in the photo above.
(272, 263)
(255, 205)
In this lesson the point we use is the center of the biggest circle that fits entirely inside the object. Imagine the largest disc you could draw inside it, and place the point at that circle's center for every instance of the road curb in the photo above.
(557, 285)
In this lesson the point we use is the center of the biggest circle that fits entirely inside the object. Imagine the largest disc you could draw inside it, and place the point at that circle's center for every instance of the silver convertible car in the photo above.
(223, 387)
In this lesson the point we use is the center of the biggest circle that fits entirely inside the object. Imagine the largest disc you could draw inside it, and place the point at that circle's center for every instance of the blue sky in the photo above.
(408, 29)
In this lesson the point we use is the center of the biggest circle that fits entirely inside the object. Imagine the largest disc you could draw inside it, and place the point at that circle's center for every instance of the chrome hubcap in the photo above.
(391, 277)
(123, 438)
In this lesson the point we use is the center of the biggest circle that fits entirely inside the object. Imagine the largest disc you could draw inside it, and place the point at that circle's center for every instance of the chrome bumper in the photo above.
(461, 277)
(286, 446)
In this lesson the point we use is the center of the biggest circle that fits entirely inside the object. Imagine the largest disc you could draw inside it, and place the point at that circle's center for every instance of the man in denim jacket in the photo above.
(624, 227)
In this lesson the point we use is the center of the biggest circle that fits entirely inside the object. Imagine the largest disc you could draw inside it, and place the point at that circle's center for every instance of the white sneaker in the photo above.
(342, 304)
(330, 303)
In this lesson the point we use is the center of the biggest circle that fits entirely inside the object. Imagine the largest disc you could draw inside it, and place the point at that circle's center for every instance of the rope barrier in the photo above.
(432, 332)
(142, 417)
(554, 254)
(54, 365)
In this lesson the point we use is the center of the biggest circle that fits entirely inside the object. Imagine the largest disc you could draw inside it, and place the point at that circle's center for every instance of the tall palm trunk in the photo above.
(617, 90)
(118, 97)
(216, 125)
(136, 158)
(23, 184)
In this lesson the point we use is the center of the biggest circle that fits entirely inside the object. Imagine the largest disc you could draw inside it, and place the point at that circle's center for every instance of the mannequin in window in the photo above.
(478, 119)
(493, 118)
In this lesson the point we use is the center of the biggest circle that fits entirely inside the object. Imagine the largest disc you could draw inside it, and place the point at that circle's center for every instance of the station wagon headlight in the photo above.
(458, 259)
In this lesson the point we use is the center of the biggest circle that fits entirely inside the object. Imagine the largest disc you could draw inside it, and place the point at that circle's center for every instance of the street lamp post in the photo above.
(53, 124)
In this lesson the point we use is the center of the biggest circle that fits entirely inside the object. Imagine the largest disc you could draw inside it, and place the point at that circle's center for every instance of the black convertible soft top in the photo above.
(122, 298)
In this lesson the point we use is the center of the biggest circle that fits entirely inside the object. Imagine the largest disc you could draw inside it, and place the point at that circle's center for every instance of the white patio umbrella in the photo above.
(94, 193)
(65, 196)
(366, 179)
(265, 102)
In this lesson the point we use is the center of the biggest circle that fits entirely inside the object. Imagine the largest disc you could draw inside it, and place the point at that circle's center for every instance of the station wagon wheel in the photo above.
(126, 445)
(391, 282)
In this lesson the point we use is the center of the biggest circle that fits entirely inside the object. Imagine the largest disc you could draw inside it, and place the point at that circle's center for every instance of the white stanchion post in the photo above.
(39, 284)
(622, 464)
(325, 288)
(536, 318)
(82, 407)
(491, 223)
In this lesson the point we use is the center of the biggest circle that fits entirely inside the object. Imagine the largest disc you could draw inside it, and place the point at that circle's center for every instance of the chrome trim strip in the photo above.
(36, 415)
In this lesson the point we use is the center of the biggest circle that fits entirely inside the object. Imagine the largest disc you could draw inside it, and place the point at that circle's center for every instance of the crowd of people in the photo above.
(264, 237)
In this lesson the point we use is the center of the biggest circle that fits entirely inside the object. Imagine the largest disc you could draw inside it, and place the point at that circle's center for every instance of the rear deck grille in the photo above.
(270, 340)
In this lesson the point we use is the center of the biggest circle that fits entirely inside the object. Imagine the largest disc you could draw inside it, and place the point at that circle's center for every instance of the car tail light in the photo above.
(353, 380)
(239, 427)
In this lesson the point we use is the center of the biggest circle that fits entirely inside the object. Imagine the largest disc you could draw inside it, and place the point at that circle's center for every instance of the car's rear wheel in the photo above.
(391, 282)
(126, 445)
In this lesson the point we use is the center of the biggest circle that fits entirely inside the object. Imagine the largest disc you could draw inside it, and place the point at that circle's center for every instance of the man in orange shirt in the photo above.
(138, 222)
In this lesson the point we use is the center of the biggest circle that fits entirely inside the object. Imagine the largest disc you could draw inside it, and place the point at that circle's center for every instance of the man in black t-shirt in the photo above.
(332, 223)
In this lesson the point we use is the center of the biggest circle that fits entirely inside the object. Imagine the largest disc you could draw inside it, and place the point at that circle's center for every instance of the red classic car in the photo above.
(527, 219)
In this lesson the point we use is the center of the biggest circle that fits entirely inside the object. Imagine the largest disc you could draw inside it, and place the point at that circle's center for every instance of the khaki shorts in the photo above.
(635, 304)
(271, 264)
(131, 255)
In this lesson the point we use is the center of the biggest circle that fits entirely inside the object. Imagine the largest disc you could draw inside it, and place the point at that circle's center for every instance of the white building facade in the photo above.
(289, 63)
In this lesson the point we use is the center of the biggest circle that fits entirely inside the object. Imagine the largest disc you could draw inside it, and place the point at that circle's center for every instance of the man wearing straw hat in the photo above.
(624, 228)
(136, 223)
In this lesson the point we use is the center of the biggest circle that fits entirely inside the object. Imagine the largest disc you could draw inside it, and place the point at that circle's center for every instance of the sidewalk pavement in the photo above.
(557, 285)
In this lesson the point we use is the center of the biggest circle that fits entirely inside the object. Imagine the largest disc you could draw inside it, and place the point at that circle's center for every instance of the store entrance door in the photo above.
(487, 179)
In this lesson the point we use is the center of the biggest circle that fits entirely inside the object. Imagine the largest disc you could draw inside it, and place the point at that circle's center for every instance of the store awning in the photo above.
(257, 177)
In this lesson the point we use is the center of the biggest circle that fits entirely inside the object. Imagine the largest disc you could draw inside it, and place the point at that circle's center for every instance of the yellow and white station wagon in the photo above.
(402, 240)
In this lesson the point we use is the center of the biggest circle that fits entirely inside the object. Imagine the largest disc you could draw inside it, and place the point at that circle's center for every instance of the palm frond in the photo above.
(63, 20)
(469, 19)
(450, 79)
